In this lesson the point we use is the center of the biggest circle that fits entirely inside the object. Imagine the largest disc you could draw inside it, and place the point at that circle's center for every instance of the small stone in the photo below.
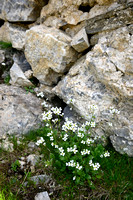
(22, 163)
(18, 77)
(80, 41)
(32, 159)
(42, 196)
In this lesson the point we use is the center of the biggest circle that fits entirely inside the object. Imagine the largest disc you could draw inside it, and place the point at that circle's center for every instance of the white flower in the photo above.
(96, 166)
(85, 151)
(56, 146)
(71, 101)
(87, 123)
(89, 141)
(56, 111)
(110, 124)
(69, 125)
(114, 111)
(93, 124)
(62, 153)
(47, 125)
(101, 156)
(52, 144)
(44, 104)
(79, 134)
(40, 141)
(93, 108)
(83, 142)
(106, 154)
(51, 138)
(74, 178)
(3, 64)
(40, 94)
(55, 120)
(49, 134)
(47, 115)
(90, 163)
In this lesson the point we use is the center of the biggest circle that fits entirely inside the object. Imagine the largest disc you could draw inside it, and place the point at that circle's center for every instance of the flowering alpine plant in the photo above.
(73, 149)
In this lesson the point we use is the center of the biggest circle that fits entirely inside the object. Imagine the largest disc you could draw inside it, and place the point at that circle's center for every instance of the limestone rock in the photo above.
(47, 91)
(22, 10)
(4, 33)
(104, 2)
(42, 196)
(81, 84)
(111, 61)
(49, 53)
(14, 34)
(19, 112)
(18, 77)
(67, 10)
(80, 41)
(120, 16)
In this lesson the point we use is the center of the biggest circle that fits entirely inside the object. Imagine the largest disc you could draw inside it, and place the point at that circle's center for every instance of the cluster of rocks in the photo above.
(80, 49)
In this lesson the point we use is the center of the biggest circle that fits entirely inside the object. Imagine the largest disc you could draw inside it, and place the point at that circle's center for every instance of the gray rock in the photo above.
(14, 34)
(85, 89)
(42, 196)
(49, 53)
(111, 20)
(21, 10)
(40, 179)
(80, 41)
(32, 159)
(111, 60)
(19, 111)
(18, 77)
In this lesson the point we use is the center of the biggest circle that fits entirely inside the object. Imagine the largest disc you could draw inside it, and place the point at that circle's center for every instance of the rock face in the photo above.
(112, 61)
(49, 53)
(19, 111)
(22, 10)
(104, 78)
(80, 41)
(14, 34)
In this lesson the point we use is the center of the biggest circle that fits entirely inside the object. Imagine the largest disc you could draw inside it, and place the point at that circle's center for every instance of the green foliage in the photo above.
(15, 165)
(5, 45)
(29, 89)
(7, 79)
(73, 150)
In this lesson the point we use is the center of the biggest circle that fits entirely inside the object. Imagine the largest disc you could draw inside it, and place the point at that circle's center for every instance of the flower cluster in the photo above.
(89, 141)
(95, 166)
(57, 111)
(71, 101)
(61, 150)
(45, 104)
(106, 154)
(114, 110)
(74, 149)
(40, 94)
(69, 126)
(46, 116)
(65, 137)
(40, 141)
(72, 145)
(71, 163)
(85, 151)
(93, 109)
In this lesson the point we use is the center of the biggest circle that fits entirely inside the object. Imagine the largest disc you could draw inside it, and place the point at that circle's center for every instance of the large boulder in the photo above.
(67, 10)
(21, 10)
(49, 53)
(104, 78)
(19, 111)
(112, 61)
(13, 33)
